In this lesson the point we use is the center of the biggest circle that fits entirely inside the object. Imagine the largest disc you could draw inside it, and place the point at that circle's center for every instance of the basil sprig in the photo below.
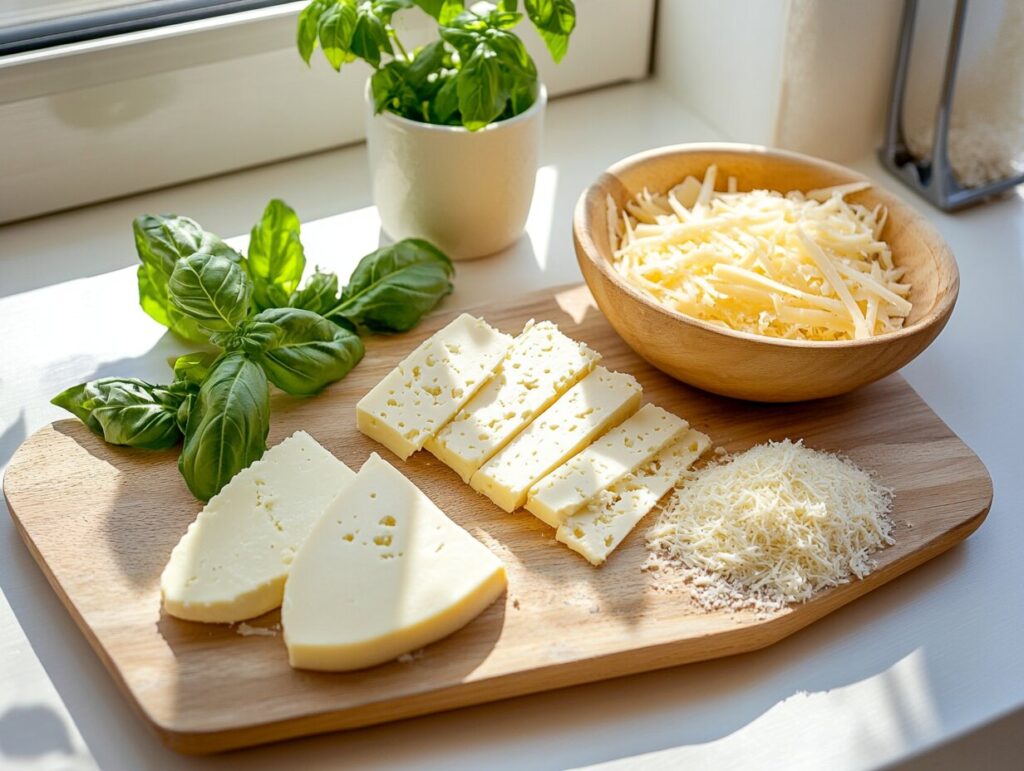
(266, 329)
(478, 71)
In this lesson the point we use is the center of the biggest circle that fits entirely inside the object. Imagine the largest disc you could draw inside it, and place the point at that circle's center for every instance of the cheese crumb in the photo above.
(247, 630)
(773, 526)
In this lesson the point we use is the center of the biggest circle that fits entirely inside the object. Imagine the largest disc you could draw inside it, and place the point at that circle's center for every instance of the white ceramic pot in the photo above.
(468, 192)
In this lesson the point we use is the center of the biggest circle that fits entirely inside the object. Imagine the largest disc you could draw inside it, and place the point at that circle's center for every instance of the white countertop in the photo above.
(922, 659)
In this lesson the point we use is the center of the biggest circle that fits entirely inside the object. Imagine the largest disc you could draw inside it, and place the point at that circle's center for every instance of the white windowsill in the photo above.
(912, 664)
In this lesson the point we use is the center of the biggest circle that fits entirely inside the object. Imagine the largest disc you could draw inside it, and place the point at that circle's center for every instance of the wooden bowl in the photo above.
(740, 364)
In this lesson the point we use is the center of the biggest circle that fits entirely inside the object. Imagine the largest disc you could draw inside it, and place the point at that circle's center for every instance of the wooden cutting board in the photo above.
(101, 522)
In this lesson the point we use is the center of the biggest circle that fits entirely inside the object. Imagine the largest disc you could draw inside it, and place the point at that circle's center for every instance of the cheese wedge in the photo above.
(623, 449)
(384, 572)
(596, 530)
(233, 560)
(431, 384)
(599, 401)
(541, 365)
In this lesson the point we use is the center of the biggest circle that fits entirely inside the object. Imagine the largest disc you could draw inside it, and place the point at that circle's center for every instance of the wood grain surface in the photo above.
(101, 522)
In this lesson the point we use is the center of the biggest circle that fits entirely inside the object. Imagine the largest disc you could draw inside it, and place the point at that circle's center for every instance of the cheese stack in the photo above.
(541, 365)
(419, 396)
(599, 527)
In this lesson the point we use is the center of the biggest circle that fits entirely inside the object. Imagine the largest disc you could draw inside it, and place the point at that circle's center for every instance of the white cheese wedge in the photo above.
(384, 572)
(596, 530)
(541, 365)
(623, 449)
(431, 384)
(233, 560)
(599, 401)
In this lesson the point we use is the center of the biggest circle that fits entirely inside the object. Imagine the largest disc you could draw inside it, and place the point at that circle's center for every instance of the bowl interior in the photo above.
(916, 245)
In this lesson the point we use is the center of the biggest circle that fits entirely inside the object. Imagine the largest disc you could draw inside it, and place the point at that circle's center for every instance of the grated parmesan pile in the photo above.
(801, 266)
(773, 526)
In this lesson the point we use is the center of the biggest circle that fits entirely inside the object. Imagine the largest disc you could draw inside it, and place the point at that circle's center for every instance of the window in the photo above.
(33, 24)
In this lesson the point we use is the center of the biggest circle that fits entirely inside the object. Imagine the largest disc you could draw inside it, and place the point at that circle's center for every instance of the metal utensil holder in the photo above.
(933, 177)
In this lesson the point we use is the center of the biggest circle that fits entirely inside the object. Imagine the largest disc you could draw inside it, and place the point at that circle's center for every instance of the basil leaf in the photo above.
(276, 257)
(555, 20)
(481, 88)
(192, 368)
(446, 101)
(463, 41)
(392, 288)
(392, 91)
(385, 9)
(319, 294)
(442, 10)
(427, 61)
(160, 243)
(307, 351)
(335, 30)
(212, 290)
(250, 337)
(227, 425)
(126, 411)
(308, 27)
(370, 37)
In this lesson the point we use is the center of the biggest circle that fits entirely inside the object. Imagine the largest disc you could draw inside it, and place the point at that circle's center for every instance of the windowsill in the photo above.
(910, 665)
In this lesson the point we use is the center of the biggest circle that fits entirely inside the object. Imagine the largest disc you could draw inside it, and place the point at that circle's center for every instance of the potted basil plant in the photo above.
(454, 126)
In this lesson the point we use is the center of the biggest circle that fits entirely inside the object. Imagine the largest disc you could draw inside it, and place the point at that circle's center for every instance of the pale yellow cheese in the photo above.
(774, 525)
(599, 401)
(806, 266)
(232, 562)
(602, 464)
(383, 573)
(431, 384)
(596, 530)
(541, 365)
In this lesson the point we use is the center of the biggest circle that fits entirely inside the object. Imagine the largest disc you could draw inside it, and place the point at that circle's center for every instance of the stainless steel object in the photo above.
(932, 177)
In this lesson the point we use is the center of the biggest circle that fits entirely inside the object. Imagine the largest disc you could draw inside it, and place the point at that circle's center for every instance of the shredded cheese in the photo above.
(773, 526)
(803, 266)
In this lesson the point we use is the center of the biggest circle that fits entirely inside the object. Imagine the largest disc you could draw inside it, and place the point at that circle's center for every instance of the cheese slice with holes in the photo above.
(541, 365)
(384, 572)
(626, 447)
(597, 529)
(233, 560)
(599, 401)
(415, 400)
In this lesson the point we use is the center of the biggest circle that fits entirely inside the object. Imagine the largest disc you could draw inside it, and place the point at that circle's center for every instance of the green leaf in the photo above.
(370, 37)
(555, 20)
(481, 88)
(319, 294)
(125, 411)
(335, 30)
(392, 91)
(306, 351)
(442, 10)
(428, 60)
(512, 53)
(445, 105)
(385, 9)
(392, 288)
(212, 290)
(192, 368)
(161, 241)
(276, 257)
(227, 425)
(308, 27)
(463, 41)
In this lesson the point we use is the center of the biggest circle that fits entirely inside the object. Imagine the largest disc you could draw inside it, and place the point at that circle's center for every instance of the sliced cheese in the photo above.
(599, 401)
(598, 529)
(602, 464)
(384, 572)
(541, 365)
(431, 384)
(233, 560)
